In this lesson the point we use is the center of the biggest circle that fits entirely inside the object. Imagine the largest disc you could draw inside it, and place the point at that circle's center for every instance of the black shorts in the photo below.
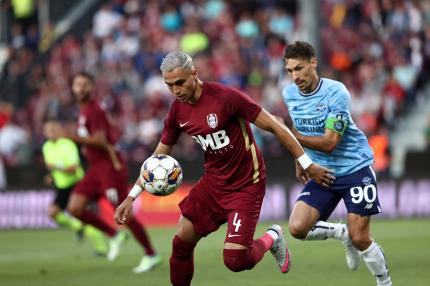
(62, 197)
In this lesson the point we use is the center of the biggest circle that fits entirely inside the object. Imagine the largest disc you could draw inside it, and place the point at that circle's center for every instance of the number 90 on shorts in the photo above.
(362, 195)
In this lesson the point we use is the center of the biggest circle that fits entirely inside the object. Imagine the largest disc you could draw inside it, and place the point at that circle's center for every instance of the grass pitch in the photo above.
(52, 257)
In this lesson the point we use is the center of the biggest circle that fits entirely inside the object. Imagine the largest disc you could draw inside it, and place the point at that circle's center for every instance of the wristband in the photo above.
(135, 191)
(304, 161)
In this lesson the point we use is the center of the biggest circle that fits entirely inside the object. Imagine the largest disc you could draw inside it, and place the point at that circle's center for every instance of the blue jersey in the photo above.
(328, 106)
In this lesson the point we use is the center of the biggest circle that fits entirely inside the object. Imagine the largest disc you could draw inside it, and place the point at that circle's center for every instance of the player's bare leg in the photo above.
(304, 224)
(78, 207)
(182, 259)
(242, 252)
(239, 257)
(372, 253)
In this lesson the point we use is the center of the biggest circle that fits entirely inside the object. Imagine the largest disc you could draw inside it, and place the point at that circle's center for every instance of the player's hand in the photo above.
(122, 212)
(322, 176)
(117, 165)
(301, 174)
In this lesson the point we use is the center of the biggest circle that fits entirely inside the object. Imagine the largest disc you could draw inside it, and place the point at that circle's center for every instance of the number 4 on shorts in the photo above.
(236, 222)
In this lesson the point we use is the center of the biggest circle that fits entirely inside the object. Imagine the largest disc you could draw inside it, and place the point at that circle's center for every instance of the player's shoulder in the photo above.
(290, 91)
(218, 88)
(333, 85)
(66, 141)
(46, 145)
(93, 108)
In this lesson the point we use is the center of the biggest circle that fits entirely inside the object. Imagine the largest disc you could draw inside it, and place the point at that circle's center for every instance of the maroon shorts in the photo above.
(103, 181)
(208, 208)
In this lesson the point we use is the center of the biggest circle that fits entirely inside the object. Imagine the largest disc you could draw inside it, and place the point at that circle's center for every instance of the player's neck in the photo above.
(84, 103)
(197, 92)
(312, 86)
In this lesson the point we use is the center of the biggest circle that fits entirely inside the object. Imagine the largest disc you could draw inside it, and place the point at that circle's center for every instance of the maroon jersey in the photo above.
(219, 122)
(93, 118)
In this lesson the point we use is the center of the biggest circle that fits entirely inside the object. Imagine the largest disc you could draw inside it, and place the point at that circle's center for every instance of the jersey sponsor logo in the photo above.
(309, 125)
(183, 124)
(215, 141)
(212, 120)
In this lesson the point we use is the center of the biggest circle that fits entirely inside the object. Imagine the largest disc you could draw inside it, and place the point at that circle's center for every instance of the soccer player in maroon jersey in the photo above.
(107, 174)
(233, 185)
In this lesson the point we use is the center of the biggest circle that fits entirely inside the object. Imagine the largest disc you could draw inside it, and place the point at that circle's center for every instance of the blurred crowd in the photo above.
(379, 48)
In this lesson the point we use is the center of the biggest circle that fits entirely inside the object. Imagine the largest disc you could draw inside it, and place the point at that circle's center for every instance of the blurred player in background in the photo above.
(320, 109)
(233, 185)
(107, 175)
(61, 156)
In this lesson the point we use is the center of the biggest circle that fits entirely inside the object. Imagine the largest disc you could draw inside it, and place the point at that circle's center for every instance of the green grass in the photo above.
(52, 257)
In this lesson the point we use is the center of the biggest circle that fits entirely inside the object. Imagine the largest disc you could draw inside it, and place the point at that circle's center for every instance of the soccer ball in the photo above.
(160, 175)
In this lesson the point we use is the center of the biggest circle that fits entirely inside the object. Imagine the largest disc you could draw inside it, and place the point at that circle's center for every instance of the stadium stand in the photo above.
(380, 49)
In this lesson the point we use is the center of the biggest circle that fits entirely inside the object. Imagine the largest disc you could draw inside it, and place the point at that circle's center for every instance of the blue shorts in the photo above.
(358, 191)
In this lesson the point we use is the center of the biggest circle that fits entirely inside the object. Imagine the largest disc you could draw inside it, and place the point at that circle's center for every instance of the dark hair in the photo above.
(83, 74)
(299, 50)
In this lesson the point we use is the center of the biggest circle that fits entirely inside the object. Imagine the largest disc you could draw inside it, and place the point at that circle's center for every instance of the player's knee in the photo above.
(360, 240)
(181, 250)
(237, 259)
(297, 230)
(75, 210)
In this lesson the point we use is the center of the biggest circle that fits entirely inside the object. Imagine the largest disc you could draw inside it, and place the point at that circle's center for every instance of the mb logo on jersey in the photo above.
(212, 120)
(215, 141)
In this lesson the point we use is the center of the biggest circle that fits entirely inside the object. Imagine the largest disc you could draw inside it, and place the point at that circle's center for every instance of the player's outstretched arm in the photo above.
(326, 143)
(123, 211)
(268, 122)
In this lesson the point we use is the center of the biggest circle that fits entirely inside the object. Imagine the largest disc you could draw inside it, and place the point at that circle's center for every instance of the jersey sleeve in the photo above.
(171, 131)
(339, 111)
(243, 106)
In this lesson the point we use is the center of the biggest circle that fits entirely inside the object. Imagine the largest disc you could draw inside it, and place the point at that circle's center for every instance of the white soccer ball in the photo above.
(160, 175)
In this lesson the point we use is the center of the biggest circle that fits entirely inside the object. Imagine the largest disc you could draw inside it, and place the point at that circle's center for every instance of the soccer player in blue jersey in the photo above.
(320, 109)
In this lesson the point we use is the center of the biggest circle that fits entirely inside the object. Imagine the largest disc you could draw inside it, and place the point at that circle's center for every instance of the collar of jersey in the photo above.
(312, 92)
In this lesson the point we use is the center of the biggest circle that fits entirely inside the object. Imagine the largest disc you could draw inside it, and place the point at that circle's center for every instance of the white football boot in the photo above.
(279, 249)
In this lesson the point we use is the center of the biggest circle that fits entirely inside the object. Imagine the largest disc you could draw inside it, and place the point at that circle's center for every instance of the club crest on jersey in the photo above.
(212, 120)
(320, 107)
